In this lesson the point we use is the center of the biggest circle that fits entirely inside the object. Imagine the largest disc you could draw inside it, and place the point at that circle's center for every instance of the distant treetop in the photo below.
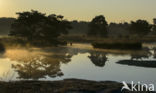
(98, 26)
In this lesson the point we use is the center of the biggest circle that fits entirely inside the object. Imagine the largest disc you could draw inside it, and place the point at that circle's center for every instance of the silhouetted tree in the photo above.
(98, 26)
(154, 21)
(154, 29)
(79, 28)
(140, 27)
(36, 26)
(5, 24)
(118, 29)
(154, 26)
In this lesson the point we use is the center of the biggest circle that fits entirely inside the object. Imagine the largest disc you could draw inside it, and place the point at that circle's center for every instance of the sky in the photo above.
(84, 10)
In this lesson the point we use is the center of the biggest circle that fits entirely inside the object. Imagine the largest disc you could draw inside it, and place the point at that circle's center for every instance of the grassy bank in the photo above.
(63, 86)
(98, 42)
(118, 45)
(9, 42)
(84, 38)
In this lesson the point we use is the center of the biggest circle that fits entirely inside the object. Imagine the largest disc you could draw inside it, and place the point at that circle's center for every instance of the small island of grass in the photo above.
(118, 45)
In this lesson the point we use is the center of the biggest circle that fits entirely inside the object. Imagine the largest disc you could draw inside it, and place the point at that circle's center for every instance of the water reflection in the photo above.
(154, 54)
(74, 62)
(35, 64)
(138, 56)
(98, 58)
(141, 60)
(38, 68)
(41, 63)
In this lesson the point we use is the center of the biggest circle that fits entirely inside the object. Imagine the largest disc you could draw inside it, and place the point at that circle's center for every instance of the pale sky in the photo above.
(113, 10)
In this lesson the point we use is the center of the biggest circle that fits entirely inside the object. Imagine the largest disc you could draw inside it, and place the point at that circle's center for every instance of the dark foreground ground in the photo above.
(64, 86)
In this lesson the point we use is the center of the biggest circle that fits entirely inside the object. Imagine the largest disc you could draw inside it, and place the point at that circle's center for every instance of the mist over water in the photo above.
(79, 61)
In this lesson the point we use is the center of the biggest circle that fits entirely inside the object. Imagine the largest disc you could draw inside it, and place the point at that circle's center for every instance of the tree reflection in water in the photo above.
(98, 58)
(36, 65)
(43, 63)
(141, 56)
(154, 55)
(138, 59)
(38, 68)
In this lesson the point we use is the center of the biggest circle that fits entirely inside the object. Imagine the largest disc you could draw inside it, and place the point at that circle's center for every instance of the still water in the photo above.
(79, 61)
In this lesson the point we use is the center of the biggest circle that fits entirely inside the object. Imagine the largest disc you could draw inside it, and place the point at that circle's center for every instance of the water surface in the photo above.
(79, 61)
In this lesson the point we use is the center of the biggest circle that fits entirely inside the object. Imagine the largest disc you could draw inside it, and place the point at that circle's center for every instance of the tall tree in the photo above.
(98, 26)
(140, 27)
(154, 26)
(154, 21)
(36, 26)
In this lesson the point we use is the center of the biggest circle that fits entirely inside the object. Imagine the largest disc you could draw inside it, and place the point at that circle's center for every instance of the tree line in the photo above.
(99, 27)
(35, 26)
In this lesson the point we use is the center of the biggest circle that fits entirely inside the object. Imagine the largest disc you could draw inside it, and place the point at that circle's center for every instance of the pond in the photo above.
(79, 61)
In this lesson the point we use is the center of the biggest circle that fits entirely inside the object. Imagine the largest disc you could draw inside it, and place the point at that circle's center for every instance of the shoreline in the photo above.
(62, 86)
